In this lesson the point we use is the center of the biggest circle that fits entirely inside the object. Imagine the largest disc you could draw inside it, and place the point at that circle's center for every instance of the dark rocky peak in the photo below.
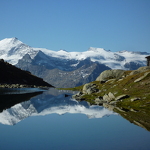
(27, 58)
(42, 59)
(41, 55)
(1, 60)
(86, 61)
(13, 75)
(14, 39)
(118, 57)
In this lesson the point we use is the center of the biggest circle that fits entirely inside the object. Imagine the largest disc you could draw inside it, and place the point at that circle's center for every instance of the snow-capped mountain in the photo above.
(47, 103)
(54, 65)
(11, 49)
(62, 74)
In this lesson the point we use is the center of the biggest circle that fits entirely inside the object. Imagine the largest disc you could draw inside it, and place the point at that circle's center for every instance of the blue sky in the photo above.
(76, 25)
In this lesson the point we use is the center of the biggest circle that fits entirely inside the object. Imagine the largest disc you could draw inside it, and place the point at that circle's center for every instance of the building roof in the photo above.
(148, 57)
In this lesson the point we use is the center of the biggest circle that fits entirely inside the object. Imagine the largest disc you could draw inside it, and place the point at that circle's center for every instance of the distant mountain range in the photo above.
(68, 69)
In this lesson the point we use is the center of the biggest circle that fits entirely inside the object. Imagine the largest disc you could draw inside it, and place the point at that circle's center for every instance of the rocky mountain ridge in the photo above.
(84, 72)
(54, 66)
(11, 50)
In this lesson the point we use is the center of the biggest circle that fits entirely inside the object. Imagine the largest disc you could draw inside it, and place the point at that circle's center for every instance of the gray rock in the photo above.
(121, 97)
(113, 103)
(99, 98)
(143, 69)
(133, 110)
(106, 98)
(110, 74)
(90, 91)
(139, 124)
(111, 95)
(98, 102)
(134, 72)
(89, 88)
(109, 107)
(111, 80)
(120, 109)
(78, 96)
(135, 99)
(141, 78)
(140, 70)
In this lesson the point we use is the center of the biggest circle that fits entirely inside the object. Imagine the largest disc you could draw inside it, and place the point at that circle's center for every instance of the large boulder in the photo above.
(110, 74)
(140, 70)
(109, 97)
(143, 69)
(78, 96)
(89, 88)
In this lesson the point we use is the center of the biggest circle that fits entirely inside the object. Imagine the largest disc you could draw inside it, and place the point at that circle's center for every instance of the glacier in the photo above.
(11, 50)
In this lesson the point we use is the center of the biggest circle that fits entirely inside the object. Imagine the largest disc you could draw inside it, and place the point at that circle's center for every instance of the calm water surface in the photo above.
(53, 121)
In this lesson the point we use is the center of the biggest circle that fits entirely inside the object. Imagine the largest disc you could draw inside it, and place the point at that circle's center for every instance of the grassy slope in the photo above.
(137, 112)
(126, 86)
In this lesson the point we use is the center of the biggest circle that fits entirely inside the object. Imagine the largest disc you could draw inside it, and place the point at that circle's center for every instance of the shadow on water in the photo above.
(9, 98)
(139, 117)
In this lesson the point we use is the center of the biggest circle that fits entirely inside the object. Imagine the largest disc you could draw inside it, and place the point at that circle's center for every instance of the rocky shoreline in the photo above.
(113, 86)
(90, 88)
(124, 92)
(21, 86)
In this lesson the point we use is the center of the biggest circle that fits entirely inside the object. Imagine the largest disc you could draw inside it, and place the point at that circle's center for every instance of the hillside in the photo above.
(12, 76)
(125, 92)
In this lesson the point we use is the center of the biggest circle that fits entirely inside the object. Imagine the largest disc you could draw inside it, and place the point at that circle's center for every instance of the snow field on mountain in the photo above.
(11, 50)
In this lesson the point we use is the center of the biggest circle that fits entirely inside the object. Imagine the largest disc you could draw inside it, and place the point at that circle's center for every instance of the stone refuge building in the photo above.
(148, 60)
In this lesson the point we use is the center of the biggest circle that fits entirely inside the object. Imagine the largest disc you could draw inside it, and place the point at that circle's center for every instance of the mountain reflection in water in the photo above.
(43, 125)
(51, 101)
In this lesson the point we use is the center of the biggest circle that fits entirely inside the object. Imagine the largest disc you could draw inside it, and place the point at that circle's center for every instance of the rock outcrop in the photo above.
(140, 70)
(100, 100)
(142, 77)
(110, 74)
(89, 88)
(113, 86)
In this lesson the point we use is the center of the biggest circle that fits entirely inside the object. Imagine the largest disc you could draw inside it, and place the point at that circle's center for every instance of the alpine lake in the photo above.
(38, 119)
